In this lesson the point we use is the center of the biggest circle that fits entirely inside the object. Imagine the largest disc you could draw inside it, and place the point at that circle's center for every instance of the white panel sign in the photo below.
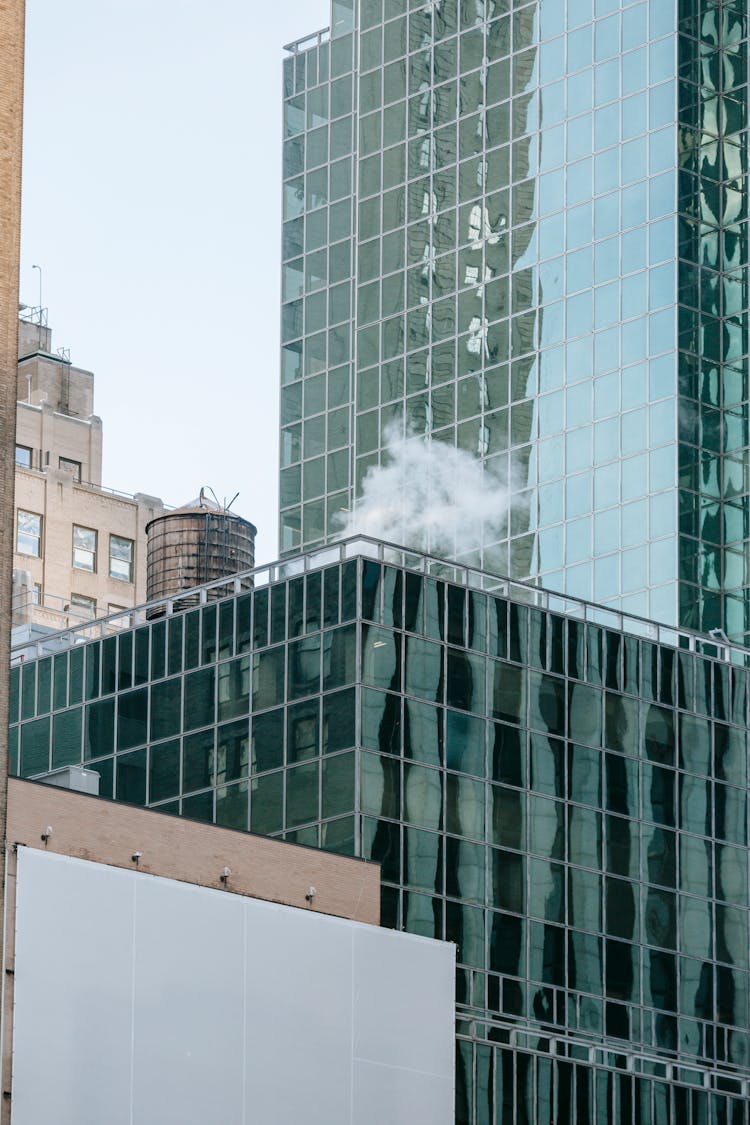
(142, 1001)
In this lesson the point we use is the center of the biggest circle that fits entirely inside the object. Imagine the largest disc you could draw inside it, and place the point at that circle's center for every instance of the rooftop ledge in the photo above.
(361, 546)
(314, 39)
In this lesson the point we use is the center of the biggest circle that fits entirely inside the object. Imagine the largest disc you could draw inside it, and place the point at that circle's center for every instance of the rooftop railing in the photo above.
(92, 486)
(362, 546)
(314, 39)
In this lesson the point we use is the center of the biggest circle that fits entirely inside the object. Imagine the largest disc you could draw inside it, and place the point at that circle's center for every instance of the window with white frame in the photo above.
(29, 533)
(121, 558)
(84, 548)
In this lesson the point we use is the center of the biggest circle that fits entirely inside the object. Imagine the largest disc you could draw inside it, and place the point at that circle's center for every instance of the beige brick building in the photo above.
(79, 549)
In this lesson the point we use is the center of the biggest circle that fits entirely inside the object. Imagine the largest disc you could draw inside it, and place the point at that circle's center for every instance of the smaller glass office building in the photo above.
(561, 791)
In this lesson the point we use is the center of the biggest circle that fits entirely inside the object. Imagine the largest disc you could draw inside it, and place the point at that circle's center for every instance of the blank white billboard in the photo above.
(142, 1001)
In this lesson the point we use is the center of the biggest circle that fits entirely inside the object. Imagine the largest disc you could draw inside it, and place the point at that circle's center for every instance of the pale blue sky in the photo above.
(152, 187)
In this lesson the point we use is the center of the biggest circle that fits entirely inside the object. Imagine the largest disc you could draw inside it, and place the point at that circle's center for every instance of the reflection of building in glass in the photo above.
(565, 797)
(403, 286)
(515, 232)
(523, 233)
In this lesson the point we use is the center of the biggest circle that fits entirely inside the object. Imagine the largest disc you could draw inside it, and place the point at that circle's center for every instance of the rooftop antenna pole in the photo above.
(40, 285)
(40, 302)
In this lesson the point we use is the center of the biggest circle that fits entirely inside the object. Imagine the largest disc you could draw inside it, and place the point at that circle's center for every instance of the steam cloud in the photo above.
(430, 497)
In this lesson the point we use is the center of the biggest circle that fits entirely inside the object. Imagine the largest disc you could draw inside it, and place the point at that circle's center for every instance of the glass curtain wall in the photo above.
(544, 221)
(317, 287)
(713, 316)
(566, 802)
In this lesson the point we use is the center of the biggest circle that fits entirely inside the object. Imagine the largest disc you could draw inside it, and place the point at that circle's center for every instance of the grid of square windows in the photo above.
(568, 803)
(518, 291)
(317, 308)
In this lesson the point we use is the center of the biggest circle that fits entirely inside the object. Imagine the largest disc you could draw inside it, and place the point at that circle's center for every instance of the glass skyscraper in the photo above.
(521, 229)
(563, 795)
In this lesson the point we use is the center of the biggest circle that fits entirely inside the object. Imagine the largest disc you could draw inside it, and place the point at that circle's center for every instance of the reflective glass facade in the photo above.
(520, 228)
(563, 798)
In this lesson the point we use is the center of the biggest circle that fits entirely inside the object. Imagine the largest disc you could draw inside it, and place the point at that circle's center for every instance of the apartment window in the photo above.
(37, 597)
(121, 558)
(23, 456)
(84, 548)
(87, 606)
(29, 534)
(72, 467)
(124, 618)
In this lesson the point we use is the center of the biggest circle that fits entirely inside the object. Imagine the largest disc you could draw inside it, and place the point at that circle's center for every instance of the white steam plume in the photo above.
(430, 497)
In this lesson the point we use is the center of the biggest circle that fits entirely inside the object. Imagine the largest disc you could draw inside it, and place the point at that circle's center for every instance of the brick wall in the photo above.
(12, 13)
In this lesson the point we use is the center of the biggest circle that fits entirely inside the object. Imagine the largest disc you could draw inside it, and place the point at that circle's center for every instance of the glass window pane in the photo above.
(164, 770)
(99, 729)
(66, 739)
(267, 803)
(165, 708)
(267, 741)
(120, 558)
(131, 778)
(29, 534)
(232, 805)
(84, 548)
(197, 761)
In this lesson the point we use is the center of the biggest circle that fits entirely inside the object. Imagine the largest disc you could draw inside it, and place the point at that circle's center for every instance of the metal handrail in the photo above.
(363, 546)
(319, 37)
(91, 485)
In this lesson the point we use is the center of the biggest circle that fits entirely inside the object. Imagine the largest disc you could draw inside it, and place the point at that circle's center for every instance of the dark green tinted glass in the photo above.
(35, 747)
(199, 708)
(15, 690)
(44, 686)
(140, 675)
(192, 638)
(338, 785)
(267, 804)
(28, 690)
(234, 692)
(109, 665)
(158, 650)
(303, 734)
(132, 727)
(339, 721)
(164, 770)
(208, 634)
(125, 661)
(232, 751)
(174, 645)
(232, 805)
(267, 741)
(302, 802)
(199, 807)
(165, 708)
(99, 729)
(131, 777)
(198, 761)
